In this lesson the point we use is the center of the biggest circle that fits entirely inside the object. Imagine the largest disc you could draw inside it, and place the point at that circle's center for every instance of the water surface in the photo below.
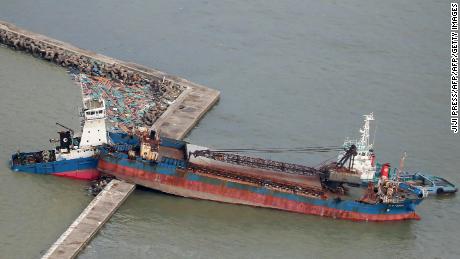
(291, 73)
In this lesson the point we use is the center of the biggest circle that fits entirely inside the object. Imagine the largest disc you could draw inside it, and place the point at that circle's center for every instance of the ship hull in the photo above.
(81, 168)
(169, 179)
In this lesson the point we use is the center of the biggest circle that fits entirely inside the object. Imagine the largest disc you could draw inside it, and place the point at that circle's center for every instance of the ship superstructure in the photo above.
(76, 154)
(362, 161)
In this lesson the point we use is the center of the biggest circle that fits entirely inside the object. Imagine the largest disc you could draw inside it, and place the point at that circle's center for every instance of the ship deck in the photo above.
(171, 153)
(309, 181)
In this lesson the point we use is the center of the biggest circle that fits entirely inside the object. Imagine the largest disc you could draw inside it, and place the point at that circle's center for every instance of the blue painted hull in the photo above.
(57, 166)
(80, 168)
(172, 176)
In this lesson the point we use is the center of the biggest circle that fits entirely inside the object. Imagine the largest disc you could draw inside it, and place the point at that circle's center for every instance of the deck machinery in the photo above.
(183, 169)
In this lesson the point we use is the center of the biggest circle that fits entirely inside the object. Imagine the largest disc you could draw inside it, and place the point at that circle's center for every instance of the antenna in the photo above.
(401, 163)
(80, 78)
(375, 132)
(401, 167)
(65, 127)
(365, 130)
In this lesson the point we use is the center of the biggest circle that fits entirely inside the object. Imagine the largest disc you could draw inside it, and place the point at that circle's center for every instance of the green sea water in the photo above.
(291, 73)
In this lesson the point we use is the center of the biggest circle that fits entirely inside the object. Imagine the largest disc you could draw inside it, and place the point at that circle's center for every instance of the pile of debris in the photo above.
(99, 184)
(128, 106)
(134, 98)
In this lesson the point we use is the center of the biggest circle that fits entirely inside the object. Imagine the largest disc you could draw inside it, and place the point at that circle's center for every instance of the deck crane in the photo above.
(348, 156)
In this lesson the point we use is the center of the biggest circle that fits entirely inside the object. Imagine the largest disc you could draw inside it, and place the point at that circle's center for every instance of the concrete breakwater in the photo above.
(182, 105)
(162, 89)
(85, 227)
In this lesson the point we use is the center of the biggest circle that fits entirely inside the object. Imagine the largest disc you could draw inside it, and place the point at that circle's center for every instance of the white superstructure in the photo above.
(363, 162)
(94, 132)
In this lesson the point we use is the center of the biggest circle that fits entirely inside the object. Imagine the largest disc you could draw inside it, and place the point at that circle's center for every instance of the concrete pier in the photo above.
(68, 48)
(176, 122)
(85, 227)
(180, 117)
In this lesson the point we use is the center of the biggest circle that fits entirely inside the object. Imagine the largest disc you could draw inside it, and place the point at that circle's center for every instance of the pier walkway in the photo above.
(83, 229)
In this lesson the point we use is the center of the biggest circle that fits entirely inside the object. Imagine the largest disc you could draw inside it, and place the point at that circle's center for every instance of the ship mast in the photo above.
(364, 142)
(80, 79)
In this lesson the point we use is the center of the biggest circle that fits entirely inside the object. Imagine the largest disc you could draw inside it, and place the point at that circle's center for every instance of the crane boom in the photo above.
(65, 127)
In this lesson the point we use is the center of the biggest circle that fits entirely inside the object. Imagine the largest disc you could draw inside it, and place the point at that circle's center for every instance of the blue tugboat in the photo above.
(430, 183)
(76, 155)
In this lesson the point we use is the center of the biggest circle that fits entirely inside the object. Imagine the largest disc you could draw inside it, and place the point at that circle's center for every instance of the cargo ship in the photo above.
(76, 155)
(183, 169)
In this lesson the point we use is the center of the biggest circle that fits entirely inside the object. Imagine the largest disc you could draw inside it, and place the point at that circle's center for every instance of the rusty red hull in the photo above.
(181, 182)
